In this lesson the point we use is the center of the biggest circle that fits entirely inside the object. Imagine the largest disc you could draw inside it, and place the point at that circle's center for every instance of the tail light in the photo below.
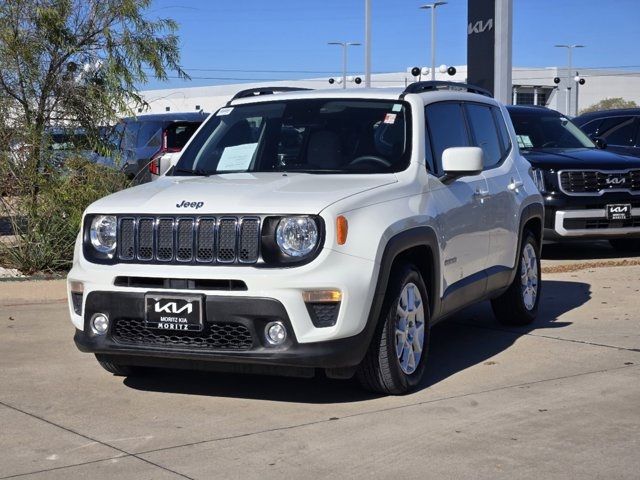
(154, 164)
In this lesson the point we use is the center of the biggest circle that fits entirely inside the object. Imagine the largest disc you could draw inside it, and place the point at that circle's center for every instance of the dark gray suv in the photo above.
(141, 140)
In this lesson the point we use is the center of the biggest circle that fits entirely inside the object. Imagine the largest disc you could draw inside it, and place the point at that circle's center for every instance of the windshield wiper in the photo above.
(196, 171)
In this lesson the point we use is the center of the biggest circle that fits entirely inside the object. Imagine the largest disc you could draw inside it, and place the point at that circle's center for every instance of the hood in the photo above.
(576, 158)
(242, 193)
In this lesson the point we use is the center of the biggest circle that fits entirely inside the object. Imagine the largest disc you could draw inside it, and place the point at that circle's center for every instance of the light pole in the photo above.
(433, 6)
(345, 46)
(569, 67)
(367, 43)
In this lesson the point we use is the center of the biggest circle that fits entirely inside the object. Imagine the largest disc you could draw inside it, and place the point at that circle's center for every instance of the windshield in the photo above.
(312, 136)
(548, 130)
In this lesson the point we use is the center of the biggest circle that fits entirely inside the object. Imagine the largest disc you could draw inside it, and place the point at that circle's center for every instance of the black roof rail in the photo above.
(254, 92)
(419, 87)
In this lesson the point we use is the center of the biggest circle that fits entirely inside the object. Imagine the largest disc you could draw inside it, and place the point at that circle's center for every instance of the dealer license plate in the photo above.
(619, 211)
(174, 312)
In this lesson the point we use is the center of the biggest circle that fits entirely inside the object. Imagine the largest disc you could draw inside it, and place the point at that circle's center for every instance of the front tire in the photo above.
(626, 245)
(519, 304)
(396, 359)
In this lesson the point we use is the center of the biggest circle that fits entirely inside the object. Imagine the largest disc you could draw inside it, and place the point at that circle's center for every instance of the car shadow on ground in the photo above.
(583, 250)
(467, 339)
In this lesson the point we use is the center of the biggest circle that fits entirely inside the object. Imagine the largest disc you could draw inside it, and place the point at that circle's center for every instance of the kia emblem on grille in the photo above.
(613, 181)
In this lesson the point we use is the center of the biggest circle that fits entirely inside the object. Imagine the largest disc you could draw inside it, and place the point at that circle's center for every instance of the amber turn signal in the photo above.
(322, 296)
(342, 230)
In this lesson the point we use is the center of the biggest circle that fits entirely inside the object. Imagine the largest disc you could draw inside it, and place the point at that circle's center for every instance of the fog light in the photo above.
(276, 333)
(99, 323)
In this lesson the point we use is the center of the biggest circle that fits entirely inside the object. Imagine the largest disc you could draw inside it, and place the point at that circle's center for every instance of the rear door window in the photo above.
(150, 134)
(179, 134)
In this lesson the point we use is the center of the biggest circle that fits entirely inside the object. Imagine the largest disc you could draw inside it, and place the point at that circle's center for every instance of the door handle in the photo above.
(514, 185)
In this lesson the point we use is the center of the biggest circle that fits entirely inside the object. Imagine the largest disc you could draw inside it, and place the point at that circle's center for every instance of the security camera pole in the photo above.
(569, 68)
(433, 6)
(345, 46)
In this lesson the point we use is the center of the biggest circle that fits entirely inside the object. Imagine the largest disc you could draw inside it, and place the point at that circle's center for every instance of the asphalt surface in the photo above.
(558, 399)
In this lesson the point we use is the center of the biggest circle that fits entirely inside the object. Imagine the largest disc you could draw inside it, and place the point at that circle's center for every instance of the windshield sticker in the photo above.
(396, 107)
(390, 118)
(524, 141)
(224, 111)
(237, 157)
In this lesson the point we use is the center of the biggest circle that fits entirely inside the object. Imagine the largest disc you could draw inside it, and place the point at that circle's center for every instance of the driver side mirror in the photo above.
(461, 162)
(600, 142)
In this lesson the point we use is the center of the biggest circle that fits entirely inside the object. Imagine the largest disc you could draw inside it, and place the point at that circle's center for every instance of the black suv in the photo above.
(618, 128)
(589, 192)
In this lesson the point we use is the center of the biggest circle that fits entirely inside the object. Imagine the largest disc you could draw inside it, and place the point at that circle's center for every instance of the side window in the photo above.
(505, 139)
(592, 128)
(618, 130)
(485, 135)
(150, 134)
(448, 129)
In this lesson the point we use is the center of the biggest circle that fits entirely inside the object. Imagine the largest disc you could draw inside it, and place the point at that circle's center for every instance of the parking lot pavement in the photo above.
(578, 254)
(558, 399)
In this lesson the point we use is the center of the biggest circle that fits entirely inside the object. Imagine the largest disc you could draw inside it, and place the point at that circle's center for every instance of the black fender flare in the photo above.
(422, 236)
(530, 212)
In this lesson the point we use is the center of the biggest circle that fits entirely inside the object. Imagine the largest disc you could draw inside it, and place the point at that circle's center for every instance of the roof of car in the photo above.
(531, 109)
(170, 117)
(609, 113)
(393, 93)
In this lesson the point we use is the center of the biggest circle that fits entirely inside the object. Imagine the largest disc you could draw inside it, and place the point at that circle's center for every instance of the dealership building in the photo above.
(531, 86)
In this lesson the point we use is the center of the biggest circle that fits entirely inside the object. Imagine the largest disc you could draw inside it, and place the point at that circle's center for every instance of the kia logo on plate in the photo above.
(172, 307)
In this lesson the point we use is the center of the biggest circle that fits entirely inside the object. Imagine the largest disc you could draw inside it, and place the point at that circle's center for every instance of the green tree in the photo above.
(72, 63)
(609, 104)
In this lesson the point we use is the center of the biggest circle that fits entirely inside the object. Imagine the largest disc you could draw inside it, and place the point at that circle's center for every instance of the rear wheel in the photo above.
(117, 369)
(396, 359)
(626, 245)
(519, 304)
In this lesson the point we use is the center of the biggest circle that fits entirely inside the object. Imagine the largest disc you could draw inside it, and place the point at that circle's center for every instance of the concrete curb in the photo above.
(32, 291)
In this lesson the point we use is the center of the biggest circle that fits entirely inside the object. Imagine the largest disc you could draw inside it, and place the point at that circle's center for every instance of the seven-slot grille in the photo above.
(195, 240)
(592, 181)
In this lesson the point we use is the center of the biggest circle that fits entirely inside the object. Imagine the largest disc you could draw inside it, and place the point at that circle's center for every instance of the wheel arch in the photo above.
(418, 245)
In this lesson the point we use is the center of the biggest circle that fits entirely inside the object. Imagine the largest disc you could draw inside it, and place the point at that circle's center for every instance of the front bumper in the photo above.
(586, 217)
(242, 342)
(269, 294)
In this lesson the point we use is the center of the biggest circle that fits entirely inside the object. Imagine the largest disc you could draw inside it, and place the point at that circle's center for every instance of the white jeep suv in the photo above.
(307, 230)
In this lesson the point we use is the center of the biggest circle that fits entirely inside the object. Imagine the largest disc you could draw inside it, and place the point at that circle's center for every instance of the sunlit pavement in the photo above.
(559, 399)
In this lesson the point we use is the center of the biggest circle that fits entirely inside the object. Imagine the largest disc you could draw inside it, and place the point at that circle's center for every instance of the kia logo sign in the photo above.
(172, 307)
(480, 26)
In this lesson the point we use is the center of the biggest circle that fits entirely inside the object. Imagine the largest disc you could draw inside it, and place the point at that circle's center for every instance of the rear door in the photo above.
(461, 203)
(489, 132)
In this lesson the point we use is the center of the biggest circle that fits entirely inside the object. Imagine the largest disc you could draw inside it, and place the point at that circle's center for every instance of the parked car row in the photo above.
(590, 191)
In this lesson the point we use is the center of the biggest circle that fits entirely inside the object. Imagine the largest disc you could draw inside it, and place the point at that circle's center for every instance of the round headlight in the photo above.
(297, 236)
(103, 233)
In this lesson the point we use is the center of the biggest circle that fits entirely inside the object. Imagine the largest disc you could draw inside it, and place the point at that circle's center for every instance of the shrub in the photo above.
(46, 227)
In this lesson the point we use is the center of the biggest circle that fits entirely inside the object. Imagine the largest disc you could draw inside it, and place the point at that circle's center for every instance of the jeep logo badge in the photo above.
(185, 204)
